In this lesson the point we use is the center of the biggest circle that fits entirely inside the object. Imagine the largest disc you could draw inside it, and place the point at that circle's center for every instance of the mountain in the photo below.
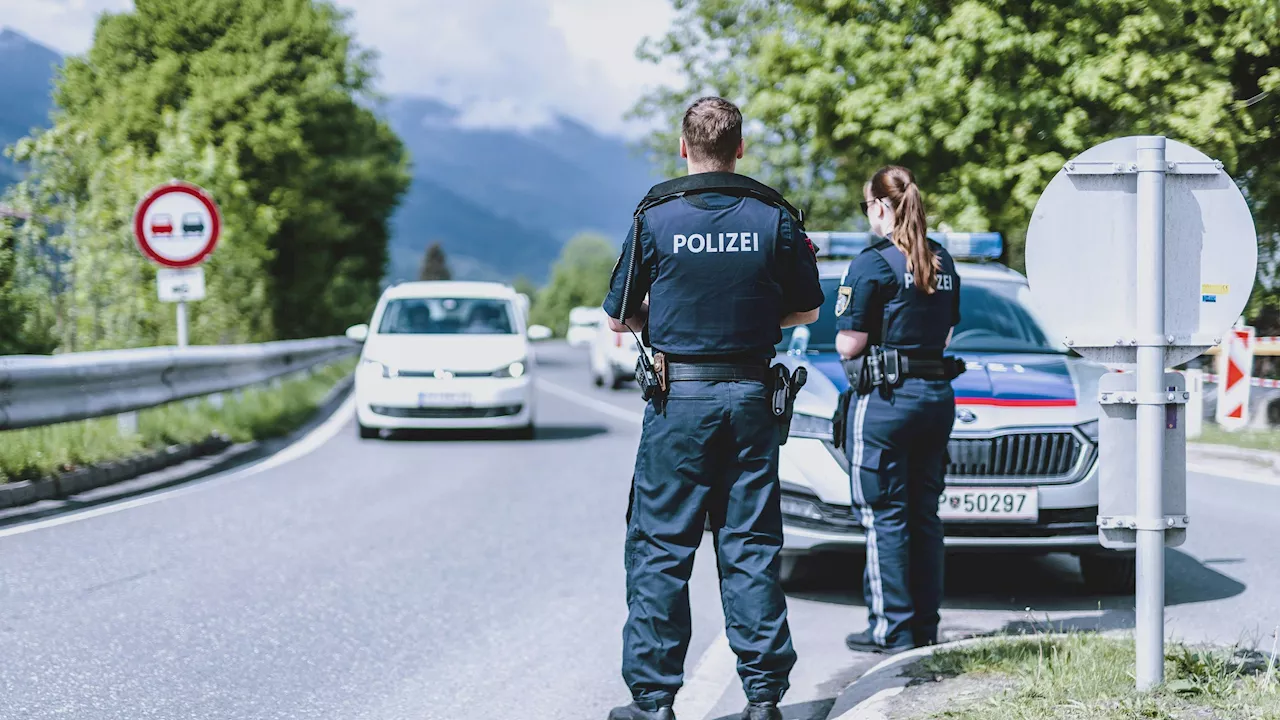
(505, 200)
(26, 79)
(500, 201)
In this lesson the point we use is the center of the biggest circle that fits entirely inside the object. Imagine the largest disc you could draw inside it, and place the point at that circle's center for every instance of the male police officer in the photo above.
(726, 265)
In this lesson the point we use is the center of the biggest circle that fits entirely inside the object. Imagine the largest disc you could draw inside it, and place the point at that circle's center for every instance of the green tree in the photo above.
(579, 277)
(266, 103)
(24, 329)
(435, 266)
(984, 99)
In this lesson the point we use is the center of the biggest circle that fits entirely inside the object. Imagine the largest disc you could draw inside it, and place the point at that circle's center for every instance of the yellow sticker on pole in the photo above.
(1208, 289)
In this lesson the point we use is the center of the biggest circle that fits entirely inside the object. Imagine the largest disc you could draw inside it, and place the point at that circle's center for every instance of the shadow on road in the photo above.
(1028, 584)
(799, 711)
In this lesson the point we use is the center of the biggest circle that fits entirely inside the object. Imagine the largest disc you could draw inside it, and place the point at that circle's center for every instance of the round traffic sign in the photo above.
(177, 225)
(1082, 253)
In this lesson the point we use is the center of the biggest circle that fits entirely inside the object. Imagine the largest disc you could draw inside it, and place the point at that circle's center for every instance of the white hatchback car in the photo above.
(446, 355)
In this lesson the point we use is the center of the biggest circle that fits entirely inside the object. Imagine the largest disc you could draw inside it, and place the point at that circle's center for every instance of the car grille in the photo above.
(452, 373)
(1047, 454)
(448, 413)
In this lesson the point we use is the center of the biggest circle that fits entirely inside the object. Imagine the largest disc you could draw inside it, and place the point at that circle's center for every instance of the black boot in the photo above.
(633, 712)
(762, 711)
(866, 642)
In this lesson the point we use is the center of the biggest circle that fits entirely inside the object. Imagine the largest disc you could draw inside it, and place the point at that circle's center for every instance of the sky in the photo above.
(509, 63)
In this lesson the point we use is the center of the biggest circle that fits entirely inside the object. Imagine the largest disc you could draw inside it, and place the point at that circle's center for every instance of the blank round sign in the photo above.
(1082, 257)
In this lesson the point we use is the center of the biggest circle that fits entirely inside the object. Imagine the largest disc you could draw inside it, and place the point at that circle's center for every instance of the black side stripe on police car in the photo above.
(868, 518)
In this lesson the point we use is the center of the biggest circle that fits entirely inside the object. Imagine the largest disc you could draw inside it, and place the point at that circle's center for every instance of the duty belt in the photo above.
(716, 372)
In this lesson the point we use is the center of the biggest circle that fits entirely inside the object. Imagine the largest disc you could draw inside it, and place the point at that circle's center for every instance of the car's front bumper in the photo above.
(396, 403)
(809, 472)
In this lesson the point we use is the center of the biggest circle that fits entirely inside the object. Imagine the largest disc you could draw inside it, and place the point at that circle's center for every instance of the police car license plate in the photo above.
(444, 399)
(1001, 504)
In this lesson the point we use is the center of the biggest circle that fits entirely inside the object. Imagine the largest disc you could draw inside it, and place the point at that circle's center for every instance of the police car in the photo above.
(1022, 474)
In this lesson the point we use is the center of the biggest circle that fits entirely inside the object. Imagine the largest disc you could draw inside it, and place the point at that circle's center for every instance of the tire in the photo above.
(1111, 573)
(368, 433)
(618, 381)
(597, 379)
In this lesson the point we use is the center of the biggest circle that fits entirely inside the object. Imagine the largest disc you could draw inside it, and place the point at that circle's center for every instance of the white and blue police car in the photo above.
(1022, 473)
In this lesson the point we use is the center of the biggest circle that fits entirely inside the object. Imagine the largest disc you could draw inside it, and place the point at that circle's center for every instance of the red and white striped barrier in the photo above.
(1235, 366)
(1255, 382)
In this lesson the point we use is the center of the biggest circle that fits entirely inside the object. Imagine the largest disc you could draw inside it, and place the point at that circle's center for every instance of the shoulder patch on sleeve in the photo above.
(844, 294)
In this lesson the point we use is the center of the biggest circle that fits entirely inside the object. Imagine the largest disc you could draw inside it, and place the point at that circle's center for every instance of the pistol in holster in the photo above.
(785, 386)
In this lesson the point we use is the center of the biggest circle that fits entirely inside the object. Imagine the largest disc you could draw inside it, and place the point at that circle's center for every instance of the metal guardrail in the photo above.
(43, 390)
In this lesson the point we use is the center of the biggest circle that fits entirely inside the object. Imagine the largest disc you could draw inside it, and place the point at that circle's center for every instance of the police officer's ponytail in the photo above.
(910, 226)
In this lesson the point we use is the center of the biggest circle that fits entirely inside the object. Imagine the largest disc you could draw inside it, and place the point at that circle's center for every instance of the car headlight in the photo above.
(386, 371)
(1090, 430)
(811, 426)
(514, 370)
(801, 508)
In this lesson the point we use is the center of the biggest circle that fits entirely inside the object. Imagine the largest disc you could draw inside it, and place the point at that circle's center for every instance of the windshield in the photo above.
(447, 316)
(993, 319)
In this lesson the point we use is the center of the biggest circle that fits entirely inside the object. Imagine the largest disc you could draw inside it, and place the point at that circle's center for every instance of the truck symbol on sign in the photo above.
(192, 224)
(161, 224)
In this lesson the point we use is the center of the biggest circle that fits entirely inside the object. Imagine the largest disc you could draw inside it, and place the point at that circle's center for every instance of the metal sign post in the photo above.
(1149, 631)
(1140, 255)
(177, 226)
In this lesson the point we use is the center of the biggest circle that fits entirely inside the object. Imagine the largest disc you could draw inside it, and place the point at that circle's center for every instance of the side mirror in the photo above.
(539, 332)
(799, 341)
(358, 333)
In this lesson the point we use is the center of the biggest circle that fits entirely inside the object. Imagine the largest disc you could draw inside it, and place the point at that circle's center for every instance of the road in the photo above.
(473, 578)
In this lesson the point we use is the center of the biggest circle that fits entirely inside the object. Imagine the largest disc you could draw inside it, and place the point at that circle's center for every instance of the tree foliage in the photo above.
(580, 277)
(24, 329)
(435, 266)
(263, 102)
(984, 99)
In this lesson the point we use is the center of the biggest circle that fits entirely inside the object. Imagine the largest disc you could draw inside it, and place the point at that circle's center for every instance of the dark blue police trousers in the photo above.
(712, 451)
(897, 449)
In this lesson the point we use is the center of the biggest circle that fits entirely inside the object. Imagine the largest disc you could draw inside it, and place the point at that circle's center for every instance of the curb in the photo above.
(63, 485)
(1240, 463)
(867, 697)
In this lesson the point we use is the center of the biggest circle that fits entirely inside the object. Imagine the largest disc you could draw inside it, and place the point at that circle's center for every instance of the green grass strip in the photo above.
(254, 414)
(1251, 439)
(1083, 676)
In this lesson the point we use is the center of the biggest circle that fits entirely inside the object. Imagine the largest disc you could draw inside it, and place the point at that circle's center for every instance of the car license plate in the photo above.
(444, 399)
(1002, 504)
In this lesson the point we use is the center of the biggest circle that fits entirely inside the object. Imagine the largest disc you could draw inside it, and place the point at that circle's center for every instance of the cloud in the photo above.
(510, 63)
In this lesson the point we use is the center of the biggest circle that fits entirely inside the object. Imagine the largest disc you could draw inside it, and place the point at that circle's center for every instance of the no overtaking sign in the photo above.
(177, 225)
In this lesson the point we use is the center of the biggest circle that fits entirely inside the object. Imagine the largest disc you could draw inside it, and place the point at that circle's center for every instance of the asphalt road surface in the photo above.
(466, 577)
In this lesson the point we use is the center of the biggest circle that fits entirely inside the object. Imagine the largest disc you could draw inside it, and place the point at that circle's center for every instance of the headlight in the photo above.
(386, 371)
(797, 507)
(811, 426)
(514, 370)
(1090, 430)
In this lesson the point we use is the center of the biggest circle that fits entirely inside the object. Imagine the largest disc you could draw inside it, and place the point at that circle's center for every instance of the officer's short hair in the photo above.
(712, 130)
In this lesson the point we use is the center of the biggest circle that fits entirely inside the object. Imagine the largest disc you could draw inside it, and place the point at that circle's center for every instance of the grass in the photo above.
(1252, 439)
(1084, 676)
(254, 414)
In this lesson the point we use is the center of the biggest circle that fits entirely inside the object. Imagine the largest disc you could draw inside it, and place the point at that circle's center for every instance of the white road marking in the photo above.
(587, 401)
(307, 444)
(711, 677)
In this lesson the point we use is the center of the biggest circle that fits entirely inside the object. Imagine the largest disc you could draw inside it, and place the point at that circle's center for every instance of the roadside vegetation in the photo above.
(255, 414)
(1251, 439)
(1084, 676)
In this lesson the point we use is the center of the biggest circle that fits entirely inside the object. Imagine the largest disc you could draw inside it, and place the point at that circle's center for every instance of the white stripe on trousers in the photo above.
(868, 518)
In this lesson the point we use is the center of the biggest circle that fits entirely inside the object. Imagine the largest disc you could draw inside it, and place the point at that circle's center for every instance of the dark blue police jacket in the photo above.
(720, 272)
(879, 296)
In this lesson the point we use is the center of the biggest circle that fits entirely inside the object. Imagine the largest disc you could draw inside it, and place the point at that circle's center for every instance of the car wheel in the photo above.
(618, 381)
(368, 433)
(598, 379)
(1109, 573)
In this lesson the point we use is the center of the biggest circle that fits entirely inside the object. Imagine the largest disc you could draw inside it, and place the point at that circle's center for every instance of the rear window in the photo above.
(447, 316)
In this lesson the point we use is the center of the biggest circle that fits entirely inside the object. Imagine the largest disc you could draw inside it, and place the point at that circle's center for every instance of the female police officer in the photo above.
(896, 306)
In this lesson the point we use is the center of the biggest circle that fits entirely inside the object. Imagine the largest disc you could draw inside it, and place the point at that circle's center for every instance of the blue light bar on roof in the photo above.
(961, 245)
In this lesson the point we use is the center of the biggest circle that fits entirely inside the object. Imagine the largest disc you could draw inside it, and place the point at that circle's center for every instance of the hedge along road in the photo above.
(474, 578)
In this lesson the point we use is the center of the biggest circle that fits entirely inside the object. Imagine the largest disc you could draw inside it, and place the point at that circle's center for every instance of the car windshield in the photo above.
(993, 319)
(447, 316)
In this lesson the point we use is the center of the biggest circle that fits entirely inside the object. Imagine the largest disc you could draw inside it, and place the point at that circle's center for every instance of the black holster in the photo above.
(840, 421)
(784, 387)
